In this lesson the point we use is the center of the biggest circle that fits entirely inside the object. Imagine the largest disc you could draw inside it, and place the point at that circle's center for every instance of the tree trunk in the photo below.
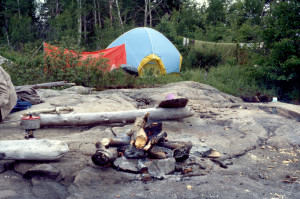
(119, 14)
(56, 8)
(95, 14)
(19, 11)
(85, 28)
(79, 22)
(86, 119)
(99, 14)
(150, 14)
(6, 31)
(146, 13)
(110, 2)
(32, 149)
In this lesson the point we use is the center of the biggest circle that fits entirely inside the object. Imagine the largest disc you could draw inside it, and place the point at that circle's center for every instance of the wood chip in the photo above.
(189, 187)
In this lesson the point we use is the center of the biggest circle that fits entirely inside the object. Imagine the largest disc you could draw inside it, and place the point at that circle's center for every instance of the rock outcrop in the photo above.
(258, 145)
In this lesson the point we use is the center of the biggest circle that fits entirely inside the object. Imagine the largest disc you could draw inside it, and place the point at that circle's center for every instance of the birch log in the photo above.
(114, 142)
(86, 119)
(32, 149)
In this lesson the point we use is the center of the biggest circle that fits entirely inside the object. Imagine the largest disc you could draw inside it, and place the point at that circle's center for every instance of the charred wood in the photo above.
(104, 157)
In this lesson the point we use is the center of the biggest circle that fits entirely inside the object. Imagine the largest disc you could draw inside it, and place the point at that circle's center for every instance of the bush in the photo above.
(202, 59)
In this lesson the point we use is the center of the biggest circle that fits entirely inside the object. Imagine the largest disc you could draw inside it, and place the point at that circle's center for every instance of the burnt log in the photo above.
(181, 150)
(156, 152)
(104, 157)
(182, 153)
(132, 152)
(155, 140)
(153, 129)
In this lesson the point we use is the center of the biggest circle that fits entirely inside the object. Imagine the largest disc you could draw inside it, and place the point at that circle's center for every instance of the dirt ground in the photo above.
(259, 145)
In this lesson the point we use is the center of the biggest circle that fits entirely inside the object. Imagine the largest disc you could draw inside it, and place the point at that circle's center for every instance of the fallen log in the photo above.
(33, 149)
(47, 85)
(86, 119)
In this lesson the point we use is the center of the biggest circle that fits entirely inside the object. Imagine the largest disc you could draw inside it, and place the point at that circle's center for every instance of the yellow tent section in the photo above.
(152, 64)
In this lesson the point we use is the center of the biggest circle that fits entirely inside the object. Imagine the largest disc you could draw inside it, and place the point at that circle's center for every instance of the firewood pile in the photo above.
(142, 143)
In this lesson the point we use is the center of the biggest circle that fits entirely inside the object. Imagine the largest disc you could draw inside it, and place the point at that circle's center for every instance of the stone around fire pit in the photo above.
(125, 164)
(160, 168)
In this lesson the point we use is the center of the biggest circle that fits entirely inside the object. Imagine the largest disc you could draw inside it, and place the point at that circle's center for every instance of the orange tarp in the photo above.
(116, 56)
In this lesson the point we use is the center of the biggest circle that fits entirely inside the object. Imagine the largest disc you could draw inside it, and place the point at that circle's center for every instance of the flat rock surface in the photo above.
(258, 144)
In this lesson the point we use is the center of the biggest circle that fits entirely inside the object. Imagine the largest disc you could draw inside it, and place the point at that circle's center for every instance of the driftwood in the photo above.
(32, 149)
(57, 110)
(47, 85)
(86, 119)
(137, 133)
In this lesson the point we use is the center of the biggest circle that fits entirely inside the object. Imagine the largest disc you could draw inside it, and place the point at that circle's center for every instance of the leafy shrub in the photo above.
(202, 59)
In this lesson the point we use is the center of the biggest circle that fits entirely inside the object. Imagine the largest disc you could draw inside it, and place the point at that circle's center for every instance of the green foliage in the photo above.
(281, 36)
(202, 59)
(151, 80)
(215, 12)
(69, 66)
(238, 81)
(116, 78)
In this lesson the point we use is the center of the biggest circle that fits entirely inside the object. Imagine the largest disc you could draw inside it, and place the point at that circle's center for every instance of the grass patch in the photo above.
(234, 80)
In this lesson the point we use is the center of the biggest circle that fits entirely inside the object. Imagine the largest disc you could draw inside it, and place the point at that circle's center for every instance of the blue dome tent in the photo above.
(148, 49)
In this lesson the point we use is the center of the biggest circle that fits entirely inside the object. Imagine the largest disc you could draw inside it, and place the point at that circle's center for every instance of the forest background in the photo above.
(271, 69)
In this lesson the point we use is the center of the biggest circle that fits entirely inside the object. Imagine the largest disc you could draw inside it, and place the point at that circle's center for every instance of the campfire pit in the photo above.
(142, 149)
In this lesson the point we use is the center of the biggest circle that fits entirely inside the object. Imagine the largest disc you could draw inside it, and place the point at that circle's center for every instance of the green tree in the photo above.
(216, 12)
(17, 21)
(281, 36)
